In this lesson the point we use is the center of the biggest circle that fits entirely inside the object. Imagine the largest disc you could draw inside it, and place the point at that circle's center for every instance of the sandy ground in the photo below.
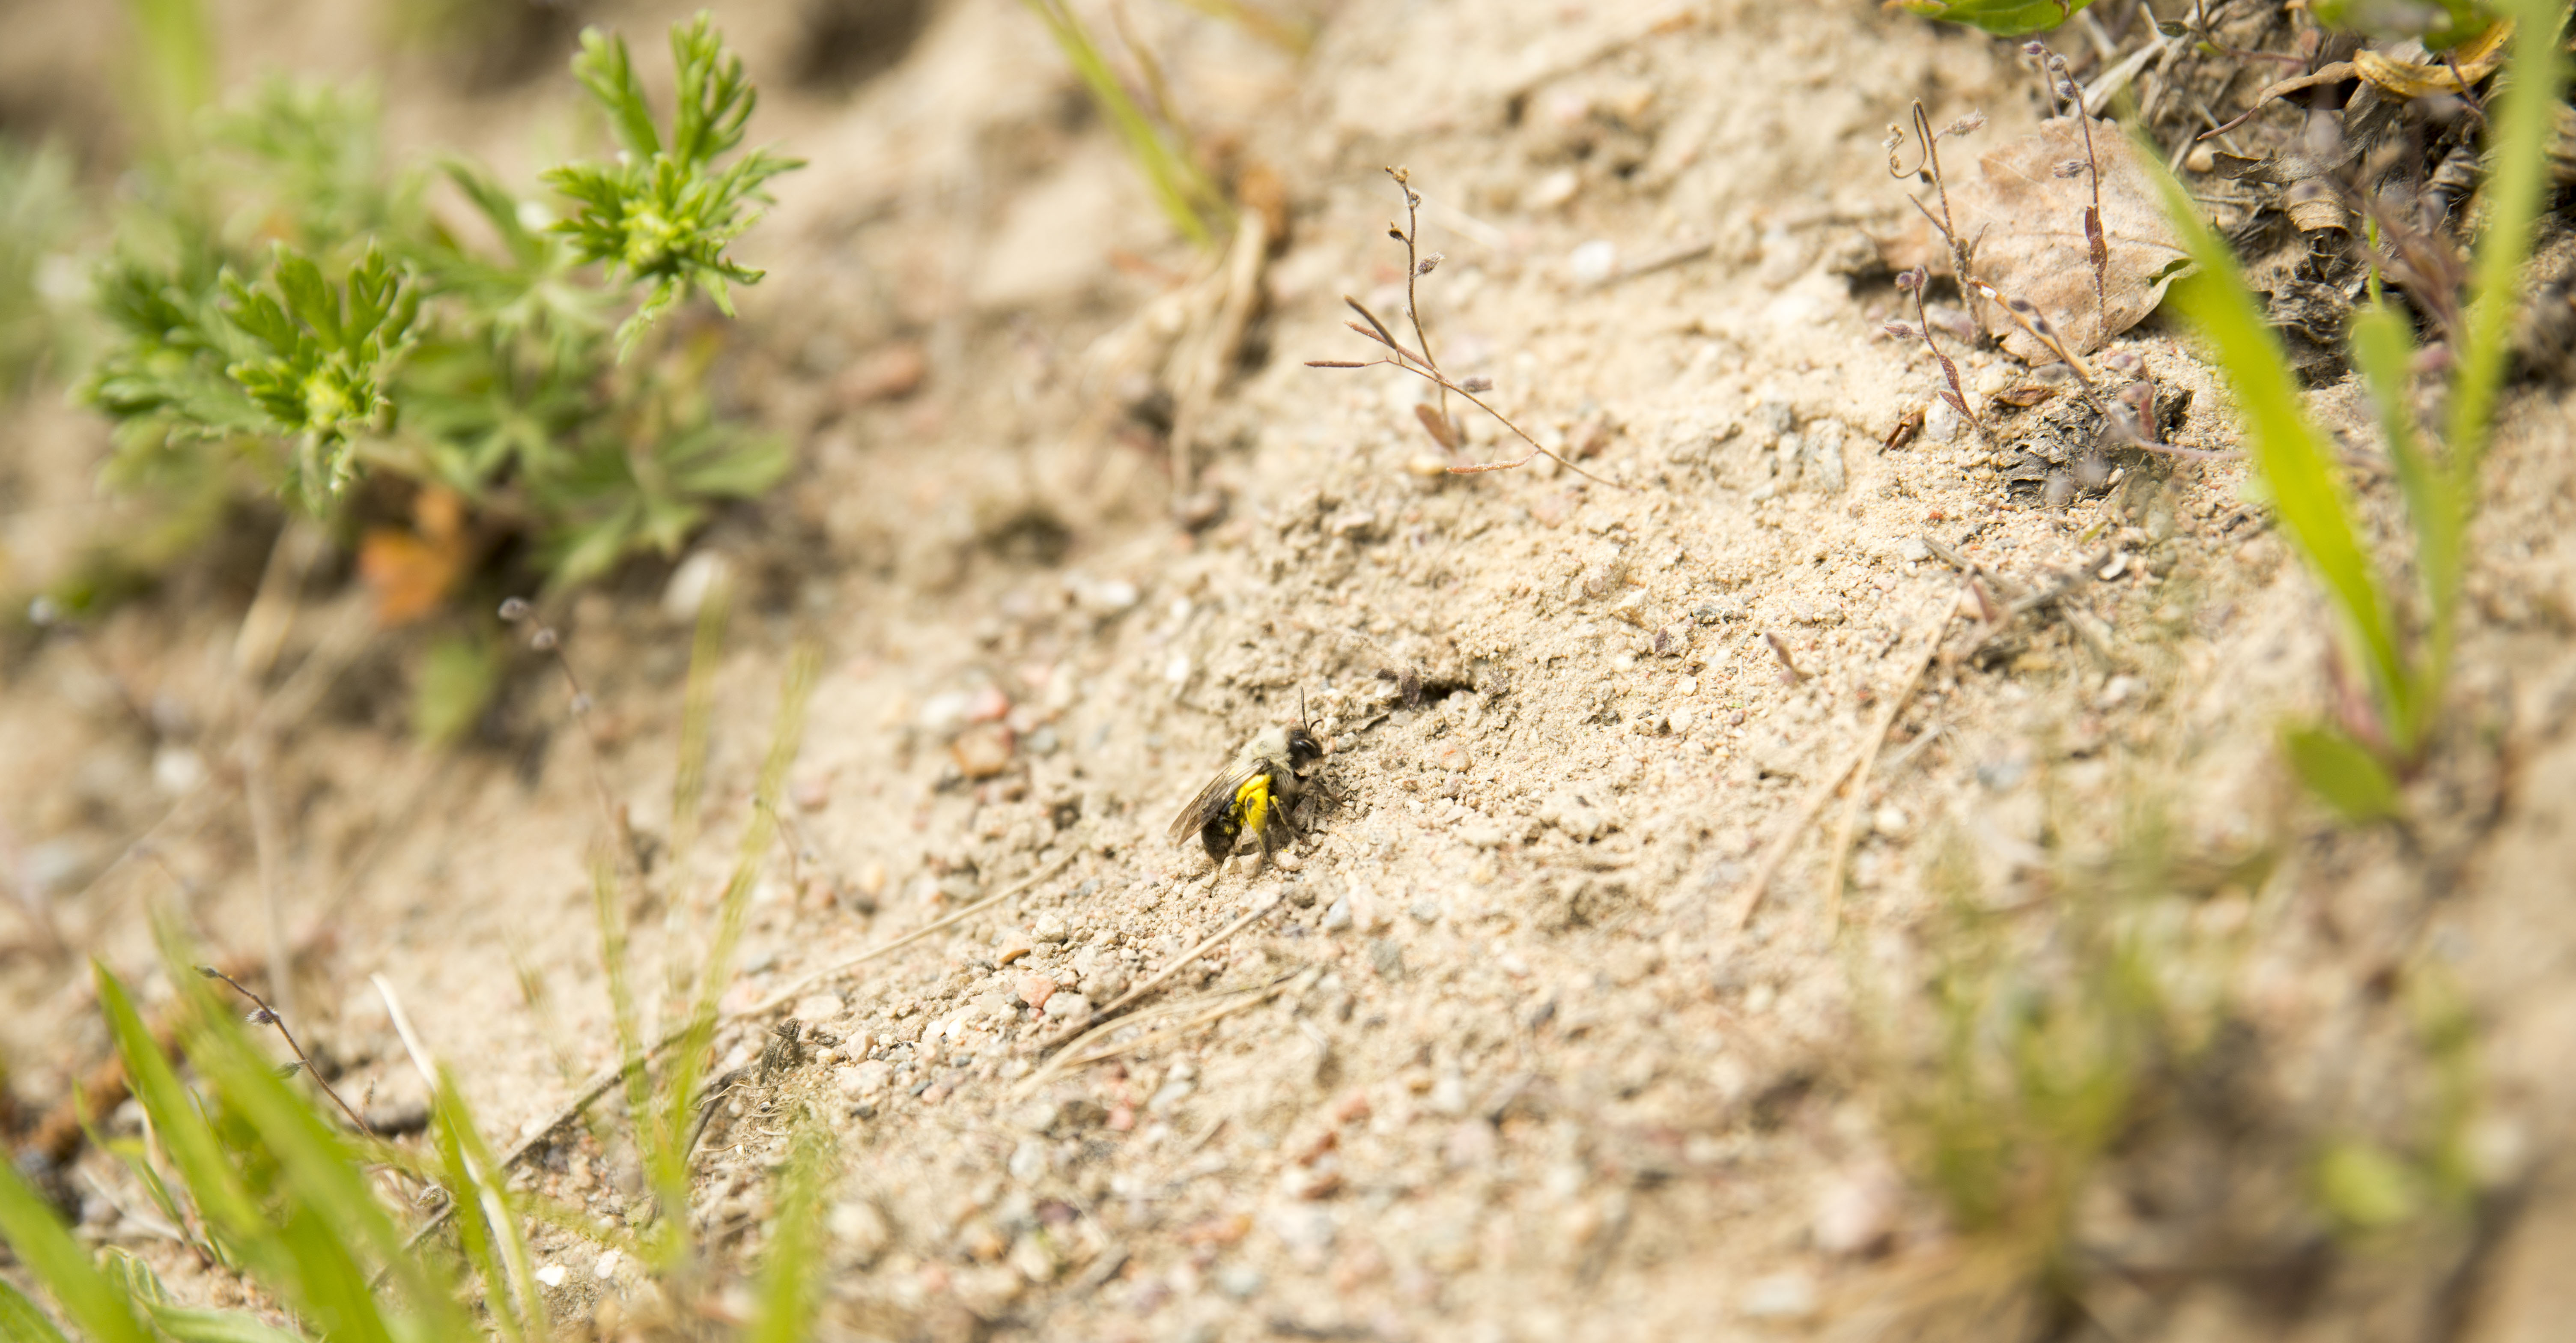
(1501, 1056)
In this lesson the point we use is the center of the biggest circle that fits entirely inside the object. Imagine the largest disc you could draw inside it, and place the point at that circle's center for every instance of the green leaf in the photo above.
(2519, 146)
(2440, 24)
(218, 1326)
(220, 1194)
(47, 1249)
(23, 1321)
(603, 68)
(2004, 18)
(791, 1279)
(457, 677)
(2343, 772)
(2365, 1187)
(2289, 451)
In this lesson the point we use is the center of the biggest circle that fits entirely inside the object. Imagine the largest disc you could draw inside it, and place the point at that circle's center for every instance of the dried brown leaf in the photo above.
(2026, 226)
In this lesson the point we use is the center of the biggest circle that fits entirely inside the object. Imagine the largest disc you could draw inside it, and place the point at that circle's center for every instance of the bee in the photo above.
(1254, 794)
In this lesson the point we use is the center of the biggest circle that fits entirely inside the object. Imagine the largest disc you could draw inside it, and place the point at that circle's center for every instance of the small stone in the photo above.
(1452, 757)
(1554, 190)
(1387, 957)
(812, 793)
(1035, 989)
(1240, 1281)
(814, 1009)
(1680, 717)
(1107, 598)
(1352, 1107)
(1856, 1213)
(983, 751)
(1012, 947)
(865, 1080)
(607, 1266)
(1913, 550)
(989, 705)
(1171, 1093)
(552, 1275)
(1068, 1007)
(1781, 1296)
(692, 582)
(1424, 911)
(1029, 1163)
(888, 374)
(1048, 928)
(1338, 917)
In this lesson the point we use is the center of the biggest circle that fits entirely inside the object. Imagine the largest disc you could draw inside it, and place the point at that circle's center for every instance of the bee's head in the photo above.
(1303, 749)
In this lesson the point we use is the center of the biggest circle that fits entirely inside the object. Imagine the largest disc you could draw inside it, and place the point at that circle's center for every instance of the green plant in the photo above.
(1188, 198)
(278, 1191)
(2004, 18)
(288, 304)
(38, 214)
(2356, 762)
(263, 1182)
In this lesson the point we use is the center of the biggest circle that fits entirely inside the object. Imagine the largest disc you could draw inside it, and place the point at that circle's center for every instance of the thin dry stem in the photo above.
(1155, 980)
(1870, 748)
(1787, 839)
(1073, 1055)
(273, 1017)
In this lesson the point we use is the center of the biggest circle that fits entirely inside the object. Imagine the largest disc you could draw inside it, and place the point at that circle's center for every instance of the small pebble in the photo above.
(607, 1266)
(1239, 1281)
(812, 793)
(552, 1275)
(814, 1009)
(983, 751)
(1781, 1296)
(1339, 916)
(1424, 911)
(1068, 1007)
(1012, 947)
(1035, 989)
(1048, 928)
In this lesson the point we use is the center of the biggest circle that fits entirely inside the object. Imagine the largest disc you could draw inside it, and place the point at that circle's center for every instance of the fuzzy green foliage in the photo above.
(38, 215)
(282, 299)
(275, 1189)
(2004, 18)
(2439, 24)
(2355, 765)
(663, 212)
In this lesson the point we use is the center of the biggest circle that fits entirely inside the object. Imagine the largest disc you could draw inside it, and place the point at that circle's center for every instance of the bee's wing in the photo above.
(1212, 800)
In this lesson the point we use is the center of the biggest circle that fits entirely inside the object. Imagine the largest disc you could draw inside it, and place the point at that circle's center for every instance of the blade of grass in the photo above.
(23, 1321)
(791, 1280)
(2289, 452)
(46, 1247)
(678, 1098)
(697, 714)
(1186, 196)
(2513, 195)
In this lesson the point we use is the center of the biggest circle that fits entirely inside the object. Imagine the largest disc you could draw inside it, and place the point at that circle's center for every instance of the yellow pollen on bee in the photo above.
(1252, 801)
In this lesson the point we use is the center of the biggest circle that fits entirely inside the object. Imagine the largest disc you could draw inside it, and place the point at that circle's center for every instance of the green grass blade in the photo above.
(2343, 772)
(697, 716)
(46, 1247)
(23, 1321)
(2287, 448)
(222, 1198)
(2383, 349)
(1184, 193)
(217, 1326)
(787, 736)
(2513, 196)
(509, 1240)
(473, 1233)
(791, 1280)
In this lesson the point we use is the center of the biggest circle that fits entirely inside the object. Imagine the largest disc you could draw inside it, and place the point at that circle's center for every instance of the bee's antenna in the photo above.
(1301, 709)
